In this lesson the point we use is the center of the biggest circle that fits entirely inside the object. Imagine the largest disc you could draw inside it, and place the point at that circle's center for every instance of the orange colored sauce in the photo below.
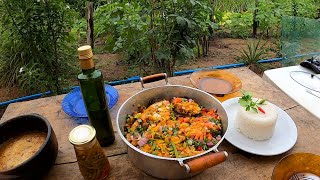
(215, 85)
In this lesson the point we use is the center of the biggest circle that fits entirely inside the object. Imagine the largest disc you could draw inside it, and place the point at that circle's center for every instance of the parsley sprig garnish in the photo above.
(247, 102)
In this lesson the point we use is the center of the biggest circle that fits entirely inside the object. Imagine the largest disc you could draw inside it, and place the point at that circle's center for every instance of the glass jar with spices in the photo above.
(92, 161)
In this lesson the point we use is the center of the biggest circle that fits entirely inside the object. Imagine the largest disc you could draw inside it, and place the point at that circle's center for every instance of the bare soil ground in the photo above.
(114, 67)
(221, 51)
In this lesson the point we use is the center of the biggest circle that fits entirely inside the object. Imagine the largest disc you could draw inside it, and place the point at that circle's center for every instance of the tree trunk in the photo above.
(152, 41)
(205, 46)
(255, 22)
(212, 11)
(90, 25)
(211, 17)
(198, 46)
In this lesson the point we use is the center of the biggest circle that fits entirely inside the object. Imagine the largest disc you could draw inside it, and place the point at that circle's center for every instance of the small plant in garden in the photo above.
(253, 53)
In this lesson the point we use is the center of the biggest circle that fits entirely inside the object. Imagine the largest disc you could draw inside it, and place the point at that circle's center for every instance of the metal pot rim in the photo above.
(214, 148)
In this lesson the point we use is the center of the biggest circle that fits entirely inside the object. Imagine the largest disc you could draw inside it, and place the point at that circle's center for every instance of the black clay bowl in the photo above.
(39, 164)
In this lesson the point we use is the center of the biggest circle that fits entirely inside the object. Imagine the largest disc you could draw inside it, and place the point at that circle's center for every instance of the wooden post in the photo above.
(255, 23)
(212, 11)
(90, 26)
(198, 46)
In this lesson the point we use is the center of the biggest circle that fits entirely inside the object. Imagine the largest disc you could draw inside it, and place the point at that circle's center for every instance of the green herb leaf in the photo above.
(262, 101)
(254, 109)
(243, 102)
(247, 102)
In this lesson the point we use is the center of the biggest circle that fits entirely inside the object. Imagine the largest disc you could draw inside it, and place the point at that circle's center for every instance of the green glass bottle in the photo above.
(93, 93)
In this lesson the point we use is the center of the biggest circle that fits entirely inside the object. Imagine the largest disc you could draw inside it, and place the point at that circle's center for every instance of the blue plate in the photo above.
(73, 104)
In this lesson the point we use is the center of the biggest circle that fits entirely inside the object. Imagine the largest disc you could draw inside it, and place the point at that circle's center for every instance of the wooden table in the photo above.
(239, 165)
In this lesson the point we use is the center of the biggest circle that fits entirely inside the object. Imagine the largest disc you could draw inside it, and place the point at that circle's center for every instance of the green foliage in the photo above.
(125, 29)
(36, 51)
(269, 14)
(239, 24)
(155, 33)
(253, 53)
(79, 29)
(232, 5)
(299, 36)
(80, 5)
(306, 8)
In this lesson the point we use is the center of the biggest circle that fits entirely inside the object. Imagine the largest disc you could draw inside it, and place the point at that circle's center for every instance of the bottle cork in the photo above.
(86, 57)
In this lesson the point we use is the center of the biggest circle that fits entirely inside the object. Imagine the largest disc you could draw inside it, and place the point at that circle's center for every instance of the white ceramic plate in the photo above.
(283, 139)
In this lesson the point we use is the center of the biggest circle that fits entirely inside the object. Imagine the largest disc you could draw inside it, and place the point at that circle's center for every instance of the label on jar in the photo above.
(93, 163)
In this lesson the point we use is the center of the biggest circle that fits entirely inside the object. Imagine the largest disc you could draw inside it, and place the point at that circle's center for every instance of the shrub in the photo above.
(37, 50)
(239, 24)
(154, 33)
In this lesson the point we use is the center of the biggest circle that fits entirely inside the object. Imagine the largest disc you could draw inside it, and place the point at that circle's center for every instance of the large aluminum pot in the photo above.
(171, 168)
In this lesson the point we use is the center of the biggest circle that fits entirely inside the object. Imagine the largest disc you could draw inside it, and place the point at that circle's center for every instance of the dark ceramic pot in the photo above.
(39, 164)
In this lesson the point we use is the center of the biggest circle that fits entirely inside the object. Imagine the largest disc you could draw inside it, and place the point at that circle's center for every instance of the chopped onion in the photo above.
(142, 141)
(210, 144)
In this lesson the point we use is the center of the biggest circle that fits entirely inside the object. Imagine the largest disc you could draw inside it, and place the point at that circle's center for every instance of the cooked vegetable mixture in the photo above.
(176, 128)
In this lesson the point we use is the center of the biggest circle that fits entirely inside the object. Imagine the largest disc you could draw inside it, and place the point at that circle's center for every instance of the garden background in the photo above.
(39, 38)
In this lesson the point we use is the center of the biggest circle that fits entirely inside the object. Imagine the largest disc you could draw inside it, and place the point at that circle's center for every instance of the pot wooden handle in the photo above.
(205, 162)
(152, 78)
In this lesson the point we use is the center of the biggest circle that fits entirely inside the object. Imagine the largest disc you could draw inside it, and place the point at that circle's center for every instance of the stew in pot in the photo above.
(173, 128)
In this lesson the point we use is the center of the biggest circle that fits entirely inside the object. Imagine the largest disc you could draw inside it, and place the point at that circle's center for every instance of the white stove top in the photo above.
(307, 98)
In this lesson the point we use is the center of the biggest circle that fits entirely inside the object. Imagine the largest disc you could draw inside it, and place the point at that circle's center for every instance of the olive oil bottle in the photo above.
(93, 93)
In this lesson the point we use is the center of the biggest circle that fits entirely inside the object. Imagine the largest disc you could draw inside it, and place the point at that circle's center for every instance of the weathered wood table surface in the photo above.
(239, 165)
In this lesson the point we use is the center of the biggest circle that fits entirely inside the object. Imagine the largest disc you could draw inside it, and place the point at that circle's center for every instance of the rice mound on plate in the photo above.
(257, 126)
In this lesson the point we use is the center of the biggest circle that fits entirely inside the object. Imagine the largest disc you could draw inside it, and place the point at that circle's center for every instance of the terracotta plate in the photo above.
(218, 82)
(298, 166)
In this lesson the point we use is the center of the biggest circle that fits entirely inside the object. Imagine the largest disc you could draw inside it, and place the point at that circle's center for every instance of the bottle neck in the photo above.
(87, 65)
(88, 71)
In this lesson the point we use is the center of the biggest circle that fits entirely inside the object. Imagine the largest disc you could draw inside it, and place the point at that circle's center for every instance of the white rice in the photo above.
(257, 126)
